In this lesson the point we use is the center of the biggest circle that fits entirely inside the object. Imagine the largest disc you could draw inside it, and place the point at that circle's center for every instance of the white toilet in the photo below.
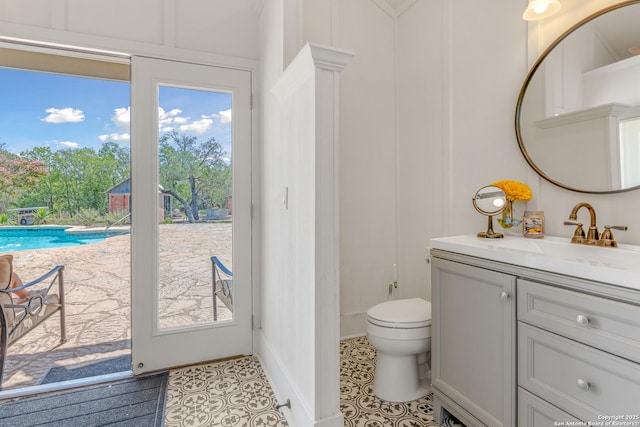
(400, 332)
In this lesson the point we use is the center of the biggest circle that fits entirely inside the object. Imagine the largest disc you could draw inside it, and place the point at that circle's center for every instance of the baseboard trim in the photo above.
(284, 388)
(348, 337)
(353, 324)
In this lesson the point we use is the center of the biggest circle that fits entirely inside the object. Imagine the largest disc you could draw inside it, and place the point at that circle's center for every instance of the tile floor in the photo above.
(231, 393)
(237, 393)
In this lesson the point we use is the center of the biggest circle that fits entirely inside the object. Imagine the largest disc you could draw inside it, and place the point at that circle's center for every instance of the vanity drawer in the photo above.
(535, 412)
(577, 378)
(606, 324)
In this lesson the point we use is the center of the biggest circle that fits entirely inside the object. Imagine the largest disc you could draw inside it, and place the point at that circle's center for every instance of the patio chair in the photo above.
(222, 285)
(17, 319)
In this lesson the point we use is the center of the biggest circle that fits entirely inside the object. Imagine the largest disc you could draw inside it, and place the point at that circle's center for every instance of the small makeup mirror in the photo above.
(490, 200)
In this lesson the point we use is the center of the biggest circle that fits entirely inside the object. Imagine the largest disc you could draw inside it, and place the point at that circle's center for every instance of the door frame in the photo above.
(149, 341)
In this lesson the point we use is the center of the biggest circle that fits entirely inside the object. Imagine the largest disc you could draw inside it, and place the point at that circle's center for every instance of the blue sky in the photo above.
(43, 109)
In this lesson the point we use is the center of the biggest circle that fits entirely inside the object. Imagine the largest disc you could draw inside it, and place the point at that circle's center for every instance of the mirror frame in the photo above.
(525, 85)
(490, 234)
(498, 194)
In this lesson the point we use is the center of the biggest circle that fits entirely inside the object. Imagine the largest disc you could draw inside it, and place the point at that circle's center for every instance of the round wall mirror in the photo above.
(490, 200)
(578, 113)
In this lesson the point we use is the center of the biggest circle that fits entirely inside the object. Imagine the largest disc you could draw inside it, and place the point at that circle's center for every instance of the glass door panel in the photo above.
(196, 181)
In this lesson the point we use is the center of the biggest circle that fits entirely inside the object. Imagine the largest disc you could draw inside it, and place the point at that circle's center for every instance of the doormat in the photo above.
(132, 402)
(108, 366)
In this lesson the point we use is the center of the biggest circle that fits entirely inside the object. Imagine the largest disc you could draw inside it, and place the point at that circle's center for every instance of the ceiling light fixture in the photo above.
(540, 9)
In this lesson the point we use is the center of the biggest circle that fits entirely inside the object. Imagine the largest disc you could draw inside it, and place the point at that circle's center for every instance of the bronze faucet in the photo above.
(592, 237)
(592, 234)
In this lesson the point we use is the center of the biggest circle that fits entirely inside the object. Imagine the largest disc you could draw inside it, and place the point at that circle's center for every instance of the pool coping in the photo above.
(71, 229)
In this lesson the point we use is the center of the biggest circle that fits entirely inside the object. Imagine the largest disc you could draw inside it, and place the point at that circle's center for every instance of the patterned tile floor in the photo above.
(236, 393)
(232, 393)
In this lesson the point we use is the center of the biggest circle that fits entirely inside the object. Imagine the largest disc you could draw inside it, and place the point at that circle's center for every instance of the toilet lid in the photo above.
(404, 313)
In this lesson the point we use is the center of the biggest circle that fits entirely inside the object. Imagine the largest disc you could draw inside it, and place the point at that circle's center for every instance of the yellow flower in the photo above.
(514, 190)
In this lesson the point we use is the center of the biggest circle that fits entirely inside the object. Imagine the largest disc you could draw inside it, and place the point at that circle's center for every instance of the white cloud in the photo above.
(173, 119)
(69, 144)
(199, 126)
(63, 115)
(122, 118)
(225, 116)
(115, 137)
(168, 115)
(166, 119)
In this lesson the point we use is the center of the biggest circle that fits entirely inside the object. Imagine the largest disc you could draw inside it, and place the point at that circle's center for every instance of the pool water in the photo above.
(23, 238)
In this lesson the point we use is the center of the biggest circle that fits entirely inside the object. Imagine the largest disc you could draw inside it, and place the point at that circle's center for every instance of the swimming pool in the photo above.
(23, 238)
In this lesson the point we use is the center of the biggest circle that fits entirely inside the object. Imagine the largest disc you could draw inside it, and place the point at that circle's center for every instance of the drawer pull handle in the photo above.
(582, 320)
(504, 296)
(584, 385)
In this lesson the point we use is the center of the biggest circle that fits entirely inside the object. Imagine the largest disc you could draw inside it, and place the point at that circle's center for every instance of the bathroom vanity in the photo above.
(535, 332)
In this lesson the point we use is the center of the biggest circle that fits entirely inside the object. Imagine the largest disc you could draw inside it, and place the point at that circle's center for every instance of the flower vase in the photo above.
(508, 218)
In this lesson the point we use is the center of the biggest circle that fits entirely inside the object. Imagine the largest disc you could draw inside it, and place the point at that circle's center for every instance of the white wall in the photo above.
(487, 67)
(422, 76)
(163, 27)
(427, 119)
(368, 160)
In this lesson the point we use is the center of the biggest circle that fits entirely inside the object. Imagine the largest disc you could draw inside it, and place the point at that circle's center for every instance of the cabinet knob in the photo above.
(582, 320)
(504, 296)
(583, 385)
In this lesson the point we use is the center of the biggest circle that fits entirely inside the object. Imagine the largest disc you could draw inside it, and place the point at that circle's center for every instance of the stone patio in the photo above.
(97, 292)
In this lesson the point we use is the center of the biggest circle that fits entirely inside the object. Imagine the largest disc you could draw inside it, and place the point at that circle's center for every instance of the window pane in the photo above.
(195, 206)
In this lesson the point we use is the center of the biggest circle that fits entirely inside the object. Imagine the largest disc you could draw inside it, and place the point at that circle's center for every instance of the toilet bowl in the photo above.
(400, 332)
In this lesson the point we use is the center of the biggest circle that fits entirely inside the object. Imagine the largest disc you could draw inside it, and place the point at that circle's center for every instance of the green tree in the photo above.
(219, 186)
(186, 168)
(78, 178)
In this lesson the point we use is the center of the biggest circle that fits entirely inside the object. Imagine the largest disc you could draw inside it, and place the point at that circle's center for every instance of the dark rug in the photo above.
(134, 402)
(109, 366)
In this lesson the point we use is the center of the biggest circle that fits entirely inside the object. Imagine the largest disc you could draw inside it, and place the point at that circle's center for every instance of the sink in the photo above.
(618, 266)
(559, 247)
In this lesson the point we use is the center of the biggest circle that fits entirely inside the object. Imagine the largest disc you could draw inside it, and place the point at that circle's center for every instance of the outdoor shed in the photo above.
(120, 199)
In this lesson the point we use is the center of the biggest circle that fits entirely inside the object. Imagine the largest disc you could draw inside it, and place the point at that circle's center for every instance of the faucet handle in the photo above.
(606, 239)
(578, 235)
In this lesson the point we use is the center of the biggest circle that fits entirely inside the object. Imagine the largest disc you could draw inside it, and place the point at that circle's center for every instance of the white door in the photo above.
(191, 200)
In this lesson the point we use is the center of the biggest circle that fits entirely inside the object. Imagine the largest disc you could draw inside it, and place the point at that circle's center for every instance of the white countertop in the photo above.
(618, 266)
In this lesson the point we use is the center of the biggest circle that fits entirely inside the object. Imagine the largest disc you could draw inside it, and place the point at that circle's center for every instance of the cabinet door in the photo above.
(473, 340)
